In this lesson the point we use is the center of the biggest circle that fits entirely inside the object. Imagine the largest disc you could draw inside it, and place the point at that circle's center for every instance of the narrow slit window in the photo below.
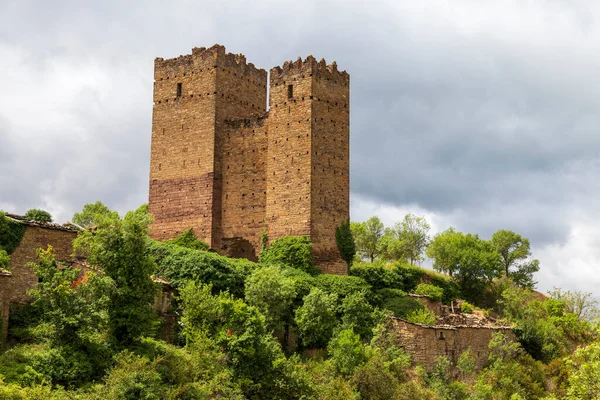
(179, 89)
(290, 91)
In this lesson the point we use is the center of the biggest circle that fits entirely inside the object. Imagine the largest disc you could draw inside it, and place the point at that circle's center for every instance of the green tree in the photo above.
(269, 290)
(367, 236)
(316, 318)
(584, 373)
(346, 351)
(413, 234)
(515, 251)
(345, 242)
(358, 314)
(94, 214)
(290, 251)
(120, 247)
(38, 215)
(581, 304)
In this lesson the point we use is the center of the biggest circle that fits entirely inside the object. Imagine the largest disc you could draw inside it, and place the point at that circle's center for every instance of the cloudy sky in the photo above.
(477, 114)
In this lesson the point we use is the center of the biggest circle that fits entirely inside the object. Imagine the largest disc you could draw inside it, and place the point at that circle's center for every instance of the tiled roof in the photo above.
(69, 226)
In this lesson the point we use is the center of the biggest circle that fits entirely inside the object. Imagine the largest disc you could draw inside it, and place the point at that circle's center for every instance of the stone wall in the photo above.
(37, 236)
(224, 166)
(5, 285)
(425, 343)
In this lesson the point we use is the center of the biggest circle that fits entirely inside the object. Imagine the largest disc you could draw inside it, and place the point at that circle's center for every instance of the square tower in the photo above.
(225, 167)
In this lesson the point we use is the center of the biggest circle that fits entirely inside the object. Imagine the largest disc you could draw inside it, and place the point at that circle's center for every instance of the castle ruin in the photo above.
(226, 167)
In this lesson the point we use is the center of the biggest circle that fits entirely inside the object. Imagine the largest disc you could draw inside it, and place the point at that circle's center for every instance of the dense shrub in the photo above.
(343, 285)
(188, 240)
(378, 276)
(423, 316)
(358, 314)
(38, 215)
(346, 351)
(179, 265)
(11, 233)
(316, 319)
(303, 283)
(433, 292)
(396, 301)
(290, 251)
(272, 293)
(466, 308)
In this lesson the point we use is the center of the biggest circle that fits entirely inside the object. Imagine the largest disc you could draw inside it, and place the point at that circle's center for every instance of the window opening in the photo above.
(290, 91)
(179, 89)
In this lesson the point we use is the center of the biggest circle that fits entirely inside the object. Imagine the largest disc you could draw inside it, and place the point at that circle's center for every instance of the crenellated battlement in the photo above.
(203, 58)
(308, 67)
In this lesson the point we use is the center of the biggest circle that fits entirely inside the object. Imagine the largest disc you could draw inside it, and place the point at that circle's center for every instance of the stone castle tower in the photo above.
(226, 167)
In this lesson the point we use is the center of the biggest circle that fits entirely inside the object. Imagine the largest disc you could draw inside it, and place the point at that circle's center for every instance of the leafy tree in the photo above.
(367, 236)
(345, 242)
(358, 314)
(38, 215)
(433, 292)
(413, 234)
(316, 319)
(423, 316)
(472, 261)
(272, 293)
(584, 373)
(346, 351)
(290, 251)
(120, 247)
(188, 240)
(581, 304)
(514, 251)
(94, 214)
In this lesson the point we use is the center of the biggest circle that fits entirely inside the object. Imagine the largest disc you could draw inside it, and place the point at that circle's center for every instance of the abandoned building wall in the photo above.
(5, 287)
(425, 343)
(23, 277)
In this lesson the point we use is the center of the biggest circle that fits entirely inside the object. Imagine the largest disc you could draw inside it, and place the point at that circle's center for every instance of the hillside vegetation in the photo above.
(279, 329)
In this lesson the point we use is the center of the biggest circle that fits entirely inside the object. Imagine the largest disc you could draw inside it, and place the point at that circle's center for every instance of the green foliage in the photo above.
(342, 285)
(4, 259)
(272, 293)
(38, 215)
(345, 242)
(466, 362)
(581, 304)
(584, 373)
(358, 314)
(397, 302)
(407, 240)
(346, 351)
(514, 251)
(466, 308)
(120, 247)
(94, 214)
(367, 236)
(316, 318)
(433, 292)
(423, 316)
(378, 276)
(188, 240)
(179, 265)
(133, 377)
(11, 233)
(290, 251)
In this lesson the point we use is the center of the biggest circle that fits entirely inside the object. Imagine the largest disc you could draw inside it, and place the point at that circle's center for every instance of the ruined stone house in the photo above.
(225, 165)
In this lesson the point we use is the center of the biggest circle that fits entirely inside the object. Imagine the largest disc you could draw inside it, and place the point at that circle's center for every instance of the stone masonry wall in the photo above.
(224, 166)
(425, 343)
(23, 277)
(5, 287)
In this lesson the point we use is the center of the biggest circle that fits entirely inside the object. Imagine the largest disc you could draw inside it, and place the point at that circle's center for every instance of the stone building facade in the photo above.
(425, 343)
(225, 166)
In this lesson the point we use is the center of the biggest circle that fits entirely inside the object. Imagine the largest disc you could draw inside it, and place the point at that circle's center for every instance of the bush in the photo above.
(423, 316)
(409, 275)
(343, 285)
(346, 351)
(357, 314)
(272, 293)
(38, 215)
(188, 240)
(378, 276)
(433, 292)
(396, 301)
(179, 265)
(133, 377)
(291, 251)
(466, 308)
(316, 318)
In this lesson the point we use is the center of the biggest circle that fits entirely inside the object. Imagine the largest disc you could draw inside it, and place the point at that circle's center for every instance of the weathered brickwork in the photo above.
(228, 168)
(425, 343)
(5, 288)
(23, 278)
